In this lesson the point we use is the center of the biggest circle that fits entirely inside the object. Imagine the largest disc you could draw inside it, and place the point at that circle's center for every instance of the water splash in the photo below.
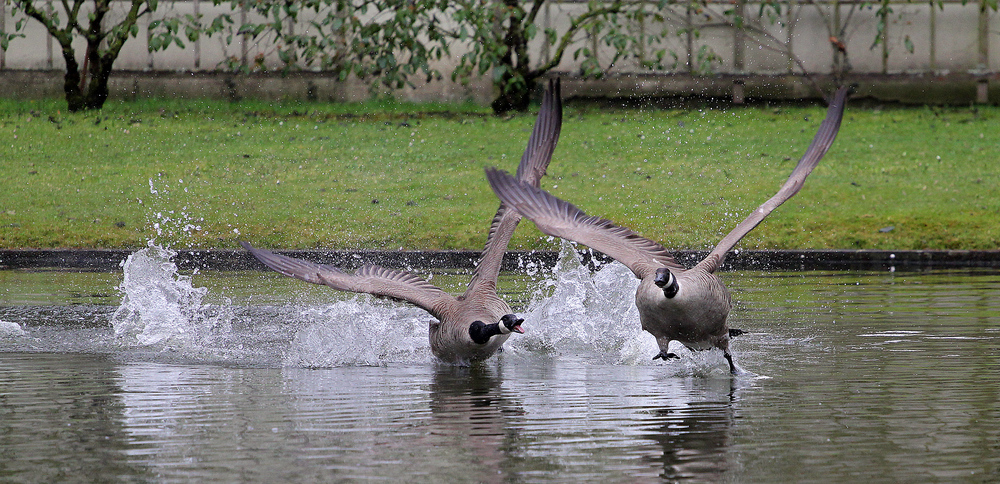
(11, 330)
(574, 313)
(592, 314)
(580, 313)
(162, 307)
(360, 332)
(177, 225)
(163, 310)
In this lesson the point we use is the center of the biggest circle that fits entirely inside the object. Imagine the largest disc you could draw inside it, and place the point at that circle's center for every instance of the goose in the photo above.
(675, 303)
(473, 326)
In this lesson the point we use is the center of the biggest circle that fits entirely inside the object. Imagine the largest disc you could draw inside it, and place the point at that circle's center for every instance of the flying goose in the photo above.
(470, 327)
(675, 303)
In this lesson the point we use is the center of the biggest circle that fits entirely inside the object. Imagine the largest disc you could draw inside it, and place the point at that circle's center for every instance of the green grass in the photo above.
(390, 175)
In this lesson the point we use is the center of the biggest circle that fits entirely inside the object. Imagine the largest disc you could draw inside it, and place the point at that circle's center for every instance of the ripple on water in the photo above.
(872, 375)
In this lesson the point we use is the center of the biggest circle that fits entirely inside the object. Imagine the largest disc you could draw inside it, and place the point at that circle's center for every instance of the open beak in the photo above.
(517, 327)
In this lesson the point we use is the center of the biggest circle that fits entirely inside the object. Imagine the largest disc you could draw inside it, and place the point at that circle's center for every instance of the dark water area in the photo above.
(148, 375)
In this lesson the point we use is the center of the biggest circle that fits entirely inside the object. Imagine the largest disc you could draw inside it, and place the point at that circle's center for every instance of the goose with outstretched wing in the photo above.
(474, 325)
(675, 303)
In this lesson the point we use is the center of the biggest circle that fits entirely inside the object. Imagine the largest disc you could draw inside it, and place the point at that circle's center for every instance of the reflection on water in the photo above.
(427, 422)
(865, 376)
(61, 419)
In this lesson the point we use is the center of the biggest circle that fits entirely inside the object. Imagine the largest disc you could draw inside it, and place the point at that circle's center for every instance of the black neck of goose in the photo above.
(481, 332)
(670, 291)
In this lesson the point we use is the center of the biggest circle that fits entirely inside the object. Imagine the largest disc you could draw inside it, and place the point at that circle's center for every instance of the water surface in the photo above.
(875, 376)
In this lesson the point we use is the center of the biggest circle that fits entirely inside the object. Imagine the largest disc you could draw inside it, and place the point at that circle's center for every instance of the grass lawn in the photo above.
(204, 174)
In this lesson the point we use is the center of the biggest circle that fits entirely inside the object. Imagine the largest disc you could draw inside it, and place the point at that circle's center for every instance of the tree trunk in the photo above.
(95, 93)
(71, 83)
(513, 97)
(82, 95)
(97, 90)
(516, 83)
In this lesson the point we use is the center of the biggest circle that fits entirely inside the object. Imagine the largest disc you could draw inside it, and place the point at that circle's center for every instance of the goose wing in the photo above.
(532, 168)
(544, 136)
(369, 279)
(560, 218)
(820, 144)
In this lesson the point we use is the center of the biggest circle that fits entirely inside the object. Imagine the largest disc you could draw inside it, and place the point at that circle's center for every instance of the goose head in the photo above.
(481, 332)
(511, 323)
(664, 279)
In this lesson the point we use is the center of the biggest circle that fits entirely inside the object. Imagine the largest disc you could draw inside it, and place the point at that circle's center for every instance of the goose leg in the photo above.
(734, 332)
(732, 366)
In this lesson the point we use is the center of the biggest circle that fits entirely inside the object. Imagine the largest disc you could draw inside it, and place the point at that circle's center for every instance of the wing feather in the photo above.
(820, 145)
(368, 279)
(560, 218)
(544, 136)
(534, 162)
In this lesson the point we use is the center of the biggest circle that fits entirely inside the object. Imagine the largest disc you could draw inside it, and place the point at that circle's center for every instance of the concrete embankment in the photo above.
(110, 260)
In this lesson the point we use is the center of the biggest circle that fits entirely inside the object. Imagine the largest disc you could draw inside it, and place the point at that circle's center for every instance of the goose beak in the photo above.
(662, 277)
(512, 323)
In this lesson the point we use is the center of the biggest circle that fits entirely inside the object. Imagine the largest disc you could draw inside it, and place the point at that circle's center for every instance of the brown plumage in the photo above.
(478, 313)
(675, 303)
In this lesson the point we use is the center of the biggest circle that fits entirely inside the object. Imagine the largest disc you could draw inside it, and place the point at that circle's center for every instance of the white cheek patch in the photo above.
(503, 328)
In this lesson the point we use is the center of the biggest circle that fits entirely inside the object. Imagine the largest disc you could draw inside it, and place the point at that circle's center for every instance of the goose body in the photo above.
(687, 305)
(695, 316)
(470, 327)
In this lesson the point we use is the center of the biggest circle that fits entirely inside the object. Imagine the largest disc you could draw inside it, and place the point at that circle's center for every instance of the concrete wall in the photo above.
(952, 47)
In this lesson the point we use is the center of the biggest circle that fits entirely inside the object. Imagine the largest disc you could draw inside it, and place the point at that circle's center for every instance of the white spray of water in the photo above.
(180, 226)
(11, 330)
(574, 313)
(579, 312)
(160, 306)
(360, 332)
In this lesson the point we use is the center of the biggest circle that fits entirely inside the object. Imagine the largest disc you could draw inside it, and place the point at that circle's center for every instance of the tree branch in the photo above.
(62, 36)
(120, 35)
(567, 38)
(73, 16)
(533, 13)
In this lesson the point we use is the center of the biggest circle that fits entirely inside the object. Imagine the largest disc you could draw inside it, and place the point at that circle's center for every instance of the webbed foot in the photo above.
(666, 356)
(734, 332)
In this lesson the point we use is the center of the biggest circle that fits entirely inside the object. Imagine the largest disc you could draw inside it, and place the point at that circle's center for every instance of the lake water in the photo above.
(150, 376)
